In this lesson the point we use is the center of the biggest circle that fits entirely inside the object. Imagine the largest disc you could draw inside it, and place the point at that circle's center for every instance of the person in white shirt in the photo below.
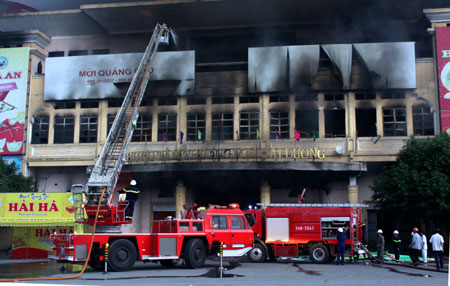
(437, 243)
(424, 247)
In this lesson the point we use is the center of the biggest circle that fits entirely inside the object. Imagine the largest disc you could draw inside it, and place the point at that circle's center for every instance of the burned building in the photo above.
(251, 102)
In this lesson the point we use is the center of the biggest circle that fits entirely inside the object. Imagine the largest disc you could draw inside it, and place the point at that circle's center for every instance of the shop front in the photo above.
(33, 217)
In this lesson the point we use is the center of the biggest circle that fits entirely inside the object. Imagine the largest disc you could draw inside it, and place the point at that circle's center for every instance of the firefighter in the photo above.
(396, 244)
(132, 195)
(341, 236)
(380, 245)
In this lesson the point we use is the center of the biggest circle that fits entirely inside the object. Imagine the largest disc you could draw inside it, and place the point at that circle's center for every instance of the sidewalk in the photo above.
(9, 260)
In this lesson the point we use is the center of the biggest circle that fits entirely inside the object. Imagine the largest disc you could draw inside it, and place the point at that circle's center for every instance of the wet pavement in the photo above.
(239, 271)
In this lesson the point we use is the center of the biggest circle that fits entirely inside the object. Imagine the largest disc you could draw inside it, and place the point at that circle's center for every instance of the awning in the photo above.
(36, 209)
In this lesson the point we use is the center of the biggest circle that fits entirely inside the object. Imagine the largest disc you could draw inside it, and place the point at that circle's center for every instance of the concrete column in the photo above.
(379, 107)
(292, 106)
(182, 118)
(76, 135)
(102, 121)
(180, 198)
(236, 119)
(265, 193)
(321, 116)
(353, 191)
(409, 114)
(351, 115)
(264, 115)
(208, 118)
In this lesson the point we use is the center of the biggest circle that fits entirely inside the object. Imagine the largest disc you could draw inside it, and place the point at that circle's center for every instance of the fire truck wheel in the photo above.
(319, 253)
(257, 254)
(195, 253)
(122, 255)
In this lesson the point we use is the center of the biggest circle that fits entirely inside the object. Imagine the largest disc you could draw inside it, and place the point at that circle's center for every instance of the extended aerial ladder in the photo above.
(106, 170)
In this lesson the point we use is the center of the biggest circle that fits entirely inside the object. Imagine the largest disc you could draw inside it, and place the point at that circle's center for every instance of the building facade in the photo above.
(239, 109)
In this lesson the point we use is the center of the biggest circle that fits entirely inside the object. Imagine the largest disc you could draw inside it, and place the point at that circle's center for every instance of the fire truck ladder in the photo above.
(108, 166)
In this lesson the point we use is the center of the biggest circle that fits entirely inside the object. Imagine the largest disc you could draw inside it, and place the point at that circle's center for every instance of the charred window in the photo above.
(143, 130)
(394, 121)
(64, 129)
(167, 127)
(279, 125)
(365, 95)
(196, 100)
(167, 101)
(64, 105)
(195, 126)
(147, 101)
(279, 98)
(249, 125)
(110, 121)
(101, 52)
(88, 128)
(89, 104)
(306, 97)
(334, 123)
(249, 99)
(423, 121)
(115, 102)
(392, 95)
(222, 100)
(40, 130)
(366, 122)
(222, 126)
(307, 122)
(334, 96)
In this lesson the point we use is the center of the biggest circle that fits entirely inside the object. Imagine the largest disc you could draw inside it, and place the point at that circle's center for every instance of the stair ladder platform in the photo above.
(110, 162)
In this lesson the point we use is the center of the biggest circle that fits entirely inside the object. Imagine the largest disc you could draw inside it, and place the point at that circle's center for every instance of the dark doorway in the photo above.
(366, 122)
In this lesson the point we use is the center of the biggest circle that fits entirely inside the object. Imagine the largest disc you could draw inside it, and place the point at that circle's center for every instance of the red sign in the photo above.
(443, 61)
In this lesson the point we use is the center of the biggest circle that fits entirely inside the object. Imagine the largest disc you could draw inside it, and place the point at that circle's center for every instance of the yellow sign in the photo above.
(33, 209)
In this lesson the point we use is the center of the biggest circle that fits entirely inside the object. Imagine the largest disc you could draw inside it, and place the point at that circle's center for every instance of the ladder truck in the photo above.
(192, 238)
(290, 230)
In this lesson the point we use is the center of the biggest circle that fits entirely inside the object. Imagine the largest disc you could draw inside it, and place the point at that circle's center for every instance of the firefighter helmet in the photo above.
(380, 231)
(395, 231)
(133, 183)
(340, 229)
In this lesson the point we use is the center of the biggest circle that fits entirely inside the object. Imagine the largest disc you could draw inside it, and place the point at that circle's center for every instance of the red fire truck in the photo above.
(198, 233)
(290, 230)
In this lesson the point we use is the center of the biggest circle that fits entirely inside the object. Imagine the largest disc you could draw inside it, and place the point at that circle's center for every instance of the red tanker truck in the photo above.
(290, 230)
(197, 234)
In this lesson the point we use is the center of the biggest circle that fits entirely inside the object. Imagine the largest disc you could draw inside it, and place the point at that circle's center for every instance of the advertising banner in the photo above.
(443, 63)
(17, 159)
(101, 76)
(13, 94)
(36, 209)
(34, 242)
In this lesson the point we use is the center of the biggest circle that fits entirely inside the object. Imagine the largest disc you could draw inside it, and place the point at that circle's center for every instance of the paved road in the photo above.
(239, 273)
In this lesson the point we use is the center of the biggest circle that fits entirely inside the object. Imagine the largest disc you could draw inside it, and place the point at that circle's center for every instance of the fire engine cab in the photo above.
(198, 233)
(290, 230)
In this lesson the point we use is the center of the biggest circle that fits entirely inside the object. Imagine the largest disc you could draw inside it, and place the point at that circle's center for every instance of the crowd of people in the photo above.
(418, 247)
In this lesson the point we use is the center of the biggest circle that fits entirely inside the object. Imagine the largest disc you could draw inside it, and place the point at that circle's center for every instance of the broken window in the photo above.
(64, 105)
(392, 95)
(249, 99)
(167, 101)
(366, 122)
(222, 100)
(306, 97)
(334, 123)
(195, 126)
(115, 102)
(88, 128)
(307, 122)
(423, 121)
(63, 129)
(364, 95)
(89, 104)
(279, 98)
(147, 101)
(143, 130)
(249, 125)
(334, 96)
(110, 121)
(40, 130)
(196, 100)
(394, 121)
(222, 126)
(279, 125)
(167, 127)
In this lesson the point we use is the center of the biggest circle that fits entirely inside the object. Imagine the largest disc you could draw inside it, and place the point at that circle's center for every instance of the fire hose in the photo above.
(85, 263)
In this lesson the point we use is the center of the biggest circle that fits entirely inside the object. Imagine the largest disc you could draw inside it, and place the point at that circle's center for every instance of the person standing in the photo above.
(341, 246)
(424, 247)
(396, 243)
(132, 195)
(380, 245)
(437, 244)
(415, 246)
